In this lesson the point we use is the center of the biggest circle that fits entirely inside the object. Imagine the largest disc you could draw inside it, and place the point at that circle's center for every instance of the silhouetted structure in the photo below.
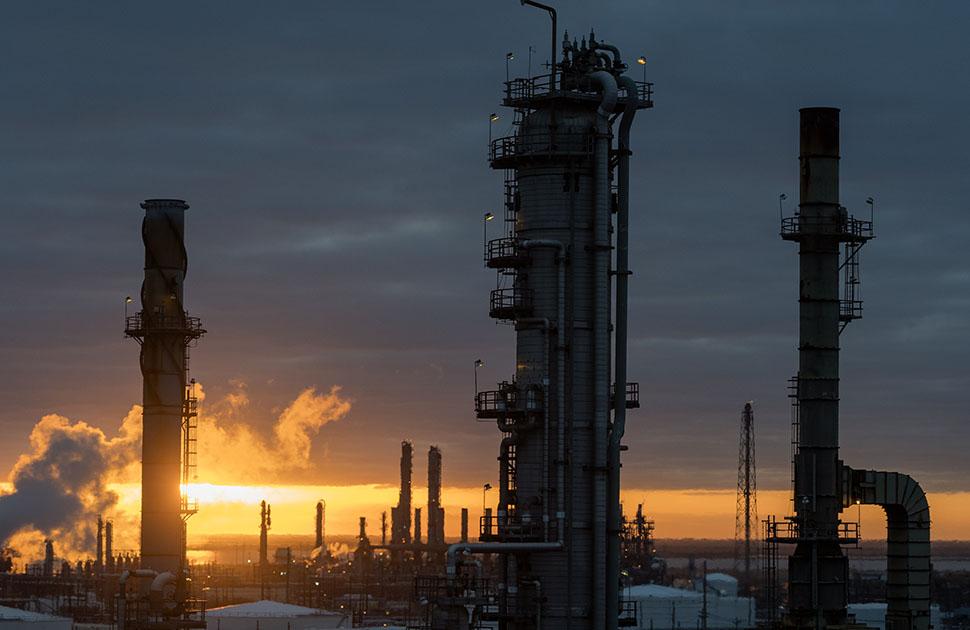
(818, 574)
(746, 510)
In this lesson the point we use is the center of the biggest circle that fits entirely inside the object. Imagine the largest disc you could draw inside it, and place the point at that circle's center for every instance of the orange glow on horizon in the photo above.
(692, 513)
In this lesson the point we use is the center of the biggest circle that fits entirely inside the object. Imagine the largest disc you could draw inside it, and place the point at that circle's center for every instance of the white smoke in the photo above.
(61, 485)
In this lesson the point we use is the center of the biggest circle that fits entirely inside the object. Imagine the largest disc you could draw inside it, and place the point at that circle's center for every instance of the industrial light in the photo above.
(870, 200)
(487, 486)
(783, 196)
(479, 363)
(642, 60)
(489, 216)
(128, 299)
(509, 56)
(493, 117)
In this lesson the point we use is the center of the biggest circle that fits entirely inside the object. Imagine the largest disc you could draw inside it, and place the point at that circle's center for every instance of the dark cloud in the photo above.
(333, 154)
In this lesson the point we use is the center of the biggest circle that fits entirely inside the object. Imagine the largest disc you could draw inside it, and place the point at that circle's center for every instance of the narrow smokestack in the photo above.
(436, 514)
(109, 529)
(401, 514)
(464, 524)
(164, 330)
(99, 558)
(321, 515)
(818, 570)
(48, 558)
(265, 522)
(417, 525)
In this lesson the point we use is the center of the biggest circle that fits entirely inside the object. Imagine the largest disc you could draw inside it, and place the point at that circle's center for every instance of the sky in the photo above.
(333, 155)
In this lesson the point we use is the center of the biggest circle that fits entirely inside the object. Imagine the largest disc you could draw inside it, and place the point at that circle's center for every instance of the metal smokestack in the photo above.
(109, 560)
(401, 514)
(164, 330)
(321, 517)
(417, 525)
(49, 558)
(818, 570)
(99, 559)
(265, 522)
(436, 514)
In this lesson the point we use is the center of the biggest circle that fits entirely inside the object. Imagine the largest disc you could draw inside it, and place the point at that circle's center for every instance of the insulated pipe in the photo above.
(560, 381)
(497, 547)
(620, 349)
(907, 541)
(601, 344)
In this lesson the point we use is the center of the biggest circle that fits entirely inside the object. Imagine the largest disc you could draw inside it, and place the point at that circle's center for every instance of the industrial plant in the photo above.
(555, 546)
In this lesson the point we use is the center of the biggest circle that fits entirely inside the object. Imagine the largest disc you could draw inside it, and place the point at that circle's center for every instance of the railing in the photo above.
(504, 253)
(524, 89)
(140, 324)
(850, 310)
(503, 151)
(628, 613)
(847, 228)
(632, 394)
(510, 303)
(507, 399)
(789, 531)
(511, 528)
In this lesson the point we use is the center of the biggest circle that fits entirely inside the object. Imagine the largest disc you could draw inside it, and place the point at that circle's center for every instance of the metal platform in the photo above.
(141, 324)
(547, 90)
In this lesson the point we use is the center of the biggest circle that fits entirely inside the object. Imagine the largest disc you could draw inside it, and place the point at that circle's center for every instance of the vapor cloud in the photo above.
(61, 485)
(235, 451)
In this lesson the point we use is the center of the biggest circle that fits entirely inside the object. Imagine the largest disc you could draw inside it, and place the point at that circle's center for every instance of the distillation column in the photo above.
(164, 330)
(557, 523)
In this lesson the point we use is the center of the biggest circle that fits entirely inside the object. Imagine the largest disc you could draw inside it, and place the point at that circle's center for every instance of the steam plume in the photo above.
(61, 485)
(235, 452)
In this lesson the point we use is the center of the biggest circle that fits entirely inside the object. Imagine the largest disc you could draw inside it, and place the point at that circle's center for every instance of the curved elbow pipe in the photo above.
(607, 83)
(617, 62)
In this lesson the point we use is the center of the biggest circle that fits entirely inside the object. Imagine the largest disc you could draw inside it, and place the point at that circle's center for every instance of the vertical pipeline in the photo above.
(620, 356)
(601, 344)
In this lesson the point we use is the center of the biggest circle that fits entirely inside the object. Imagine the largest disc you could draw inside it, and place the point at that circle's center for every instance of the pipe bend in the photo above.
(607, 83)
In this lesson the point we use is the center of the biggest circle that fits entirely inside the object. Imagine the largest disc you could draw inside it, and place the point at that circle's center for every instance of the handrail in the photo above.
(849, 226)
(541, 86)
(139, 324)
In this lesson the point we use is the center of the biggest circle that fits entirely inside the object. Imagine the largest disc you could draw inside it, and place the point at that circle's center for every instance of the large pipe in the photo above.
(907, 542)
(601, 344)
(620, 346)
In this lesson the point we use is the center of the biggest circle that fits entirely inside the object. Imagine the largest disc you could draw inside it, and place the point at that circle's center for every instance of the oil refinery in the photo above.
(561, 536)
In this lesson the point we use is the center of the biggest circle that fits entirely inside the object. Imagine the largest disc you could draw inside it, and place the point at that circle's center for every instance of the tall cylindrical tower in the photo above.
(557, 518)
(818, 570)
(164, 330)
(436, 513)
